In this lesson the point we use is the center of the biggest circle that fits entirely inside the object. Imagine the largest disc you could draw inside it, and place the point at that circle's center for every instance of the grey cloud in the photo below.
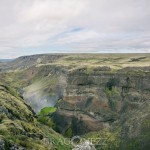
(111, 24)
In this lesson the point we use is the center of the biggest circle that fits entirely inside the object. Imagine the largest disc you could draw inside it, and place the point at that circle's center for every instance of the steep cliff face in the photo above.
(98, 99)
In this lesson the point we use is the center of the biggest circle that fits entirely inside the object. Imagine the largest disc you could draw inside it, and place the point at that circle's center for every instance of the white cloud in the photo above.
(113, 24)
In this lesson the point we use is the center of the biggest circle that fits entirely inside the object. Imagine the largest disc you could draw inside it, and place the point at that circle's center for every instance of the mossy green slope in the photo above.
(19, 126)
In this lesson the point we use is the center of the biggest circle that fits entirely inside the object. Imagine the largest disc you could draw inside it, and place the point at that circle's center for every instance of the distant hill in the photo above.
(6, 60)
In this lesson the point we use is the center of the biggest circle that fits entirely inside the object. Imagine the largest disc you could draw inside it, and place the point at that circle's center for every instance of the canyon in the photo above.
(104, 96)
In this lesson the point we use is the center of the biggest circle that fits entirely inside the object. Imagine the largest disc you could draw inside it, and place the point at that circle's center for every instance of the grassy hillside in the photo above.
(115, 61)
(19, 127)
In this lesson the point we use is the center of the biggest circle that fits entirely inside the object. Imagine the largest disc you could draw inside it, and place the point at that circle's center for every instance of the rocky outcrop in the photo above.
(2, 144)
(95, 101)
(85, 146)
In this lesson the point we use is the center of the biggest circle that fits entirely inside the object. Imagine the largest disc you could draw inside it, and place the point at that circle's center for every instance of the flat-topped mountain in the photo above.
(114, 60)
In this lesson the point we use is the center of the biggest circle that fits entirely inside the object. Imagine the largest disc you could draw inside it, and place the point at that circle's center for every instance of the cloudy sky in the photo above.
(54, 26)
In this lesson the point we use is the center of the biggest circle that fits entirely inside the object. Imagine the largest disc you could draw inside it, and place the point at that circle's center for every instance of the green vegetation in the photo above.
(115, 61)
(46, 120)
(112, 140)
(105, 139)
(47, 110)
(69, 133)
(112, 83)
(44, 116)
(19, 126)
(137, 59)
(112, 94)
